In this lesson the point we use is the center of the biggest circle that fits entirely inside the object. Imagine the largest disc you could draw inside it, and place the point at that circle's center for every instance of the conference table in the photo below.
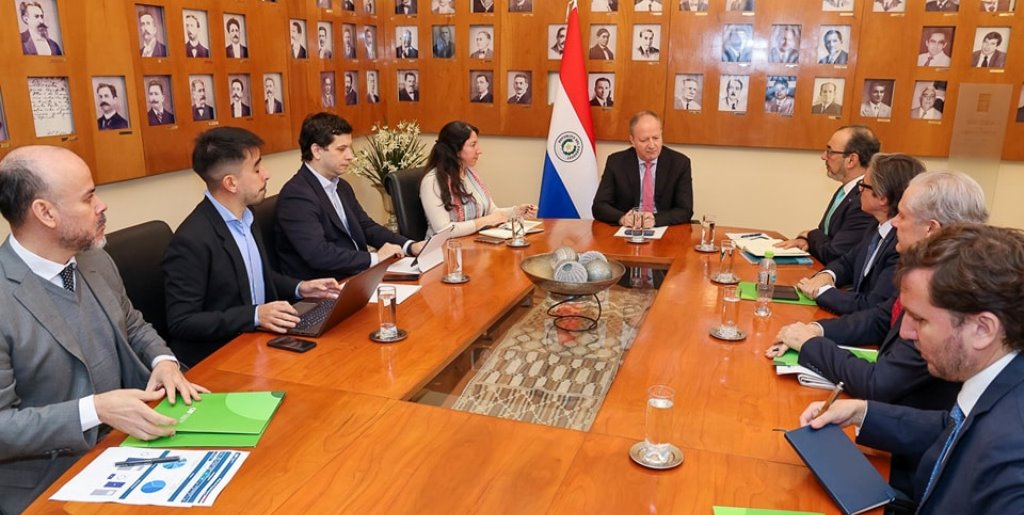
(347, 438)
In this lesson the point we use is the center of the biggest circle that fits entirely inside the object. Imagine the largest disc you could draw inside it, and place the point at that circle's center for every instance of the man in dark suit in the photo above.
(35, 40)
(410, 92)
(846, 158)
(235, 48)
(600, 50)
(321, 228)
(483, 94)
(650, 178)
(932, 200)
(157, 114)
(239, 108)
(867, 269)
(405, 7)
(351, 95)
(76, 358)
(200, 109)
(443, 46)
(989, 56)
(833, 40)
(483, 6)
(298, 40)
(602, 93)
(406, 50)
(520, 6)
(827, 103)
(271, 103)
(193, 47)
(942, 5)
(647, 51)
(963, 288)
(372, 94)
(521, 90)
(150, 44)
(693, 5)
(109, 118)
(559, 46)
(219, 284)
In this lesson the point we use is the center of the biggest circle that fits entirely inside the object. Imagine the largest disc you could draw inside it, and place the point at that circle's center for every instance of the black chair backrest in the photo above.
(404, 187)
(265, 214)
(138, 252)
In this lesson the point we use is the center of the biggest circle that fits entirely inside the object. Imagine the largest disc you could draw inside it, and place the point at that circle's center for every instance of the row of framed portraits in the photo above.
(50, 97)
(411, 7)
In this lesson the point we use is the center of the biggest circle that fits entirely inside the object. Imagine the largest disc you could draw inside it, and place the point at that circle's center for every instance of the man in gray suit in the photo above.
(76, 359)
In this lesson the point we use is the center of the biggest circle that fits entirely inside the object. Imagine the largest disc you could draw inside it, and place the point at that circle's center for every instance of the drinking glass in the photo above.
(387, 309)
(453, 260)
(727, 249)
(707, 233)
(518, 226)
(658, 424)
(730, 312)
(637, 223)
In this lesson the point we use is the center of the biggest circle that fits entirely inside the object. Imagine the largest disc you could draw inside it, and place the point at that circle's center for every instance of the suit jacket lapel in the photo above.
(32, 295)
(220, 228)
(355, 230)
(322, 198)
(635, 171)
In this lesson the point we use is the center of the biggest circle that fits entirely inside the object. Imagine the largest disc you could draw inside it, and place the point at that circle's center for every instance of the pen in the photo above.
(753, 235)
(147, 461)
(831, 398)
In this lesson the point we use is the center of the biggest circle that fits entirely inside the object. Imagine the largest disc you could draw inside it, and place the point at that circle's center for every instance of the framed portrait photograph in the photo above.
(369, 44)
(603, 41)
(646, 40)
(747, 6)
(990, 45)
(556, 41)
(481, 40)
(407, 37)
(482, 6)
(325, 40)
(372, 88)
(948, 6)
(737, 43)
(328, 90)
(197, 33)
(602, 87)
(159, 99)
(408, 86)
(605, 6)
(351, 88)
(520, 87)
(443, 38)
(152, 30)
(648, 6)
(203, 100)
(837, 6)
(406, 6)
(520, 6)
(348, 40)
(110, 101)
(273, 93)
(370, 7)
(235, 36)
(689, 91)
(694, 6)
(996, 6)
(733, 91)
(481, 86)
(240, 93)
(1019, 118)
(833, 44)
(889, 6)
(928, 100)
(785, 43)
(828, 96)
(780, 95)
(876, 100)
(442, 6)
(297, 38)
(936, 47)
(39, 27)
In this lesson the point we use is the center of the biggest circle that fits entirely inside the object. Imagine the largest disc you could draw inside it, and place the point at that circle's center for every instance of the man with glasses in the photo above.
(846, 158)
(936, 55)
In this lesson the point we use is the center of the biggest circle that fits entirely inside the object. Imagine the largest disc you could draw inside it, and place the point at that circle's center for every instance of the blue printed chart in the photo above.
(194, 479)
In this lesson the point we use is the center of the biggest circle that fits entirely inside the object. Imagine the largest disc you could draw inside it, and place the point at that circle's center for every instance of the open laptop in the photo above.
(317, 317)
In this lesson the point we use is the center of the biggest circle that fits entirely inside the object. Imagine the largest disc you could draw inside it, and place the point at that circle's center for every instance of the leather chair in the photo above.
(404, 188)
(265, 214)
(138, 251)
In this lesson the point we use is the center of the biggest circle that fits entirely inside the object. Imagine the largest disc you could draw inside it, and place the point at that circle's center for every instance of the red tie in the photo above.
(647, 197)
(897, 310)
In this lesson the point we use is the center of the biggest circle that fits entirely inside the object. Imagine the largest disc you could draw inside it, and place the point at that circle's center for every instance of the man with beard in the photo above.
(368, 45)
(151, 45)
(193, 47)
(298, 40)
(35, 40)
(235, 48)
(351, 95)
(76, 358)
(157, 114)
(109, 118)
(239, 108)
(200, 109)
(206, 305)
(347, 45)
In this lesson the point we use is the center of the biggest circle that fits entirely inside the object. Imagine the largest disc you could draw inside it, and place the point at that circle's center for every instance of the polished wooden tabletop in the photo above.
(346, 440)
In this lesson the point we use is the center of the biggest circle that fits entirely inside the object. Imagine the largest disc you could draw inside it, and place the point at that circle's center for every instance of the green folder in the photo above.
(748, 291)
(235, 419)
(791, 357)
(728, 510)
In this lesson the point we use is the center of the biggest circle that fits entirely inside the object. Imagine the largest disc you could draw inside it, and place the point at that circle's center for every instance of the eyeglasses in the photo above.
(829, 152)
(862, 186)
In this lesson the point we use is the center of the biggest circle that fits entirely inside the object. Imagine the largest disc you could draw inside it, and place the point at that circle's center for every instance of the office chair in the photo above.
(404, 188)
(138, 252)
(265, 215)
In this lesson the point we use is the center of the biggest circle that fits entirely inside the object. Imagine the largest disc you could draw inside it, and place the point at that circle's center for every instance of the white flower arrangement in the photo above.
(389, 150)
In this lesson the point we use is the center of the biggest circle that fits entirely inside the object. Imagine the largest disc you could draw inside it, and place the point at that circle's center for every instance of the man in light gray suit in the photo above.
(76, 359)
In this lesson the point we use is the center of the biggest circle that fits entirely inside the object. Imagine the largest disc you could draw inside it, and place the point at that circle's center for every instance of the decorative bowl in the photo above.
(538, 269)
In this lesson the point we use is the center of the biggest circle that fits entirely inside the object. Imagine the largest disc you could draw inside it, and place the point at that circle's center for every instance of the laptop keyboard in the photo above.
(310, 321)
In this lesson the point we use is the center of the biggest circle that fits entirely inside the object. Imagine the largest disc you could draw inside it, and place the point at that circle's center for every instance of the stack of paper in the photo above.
(504, 231)
(788, 363)
(757, 244)
(235, 419)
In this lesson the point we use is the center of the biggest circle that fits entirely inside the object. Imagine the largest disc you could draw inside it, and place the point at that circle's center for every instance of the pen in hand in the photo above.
(831, 398)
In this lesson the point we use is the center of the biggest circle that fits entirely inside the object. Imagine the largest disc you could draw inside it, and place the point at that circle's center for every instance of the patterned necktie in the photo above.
(647, 197)
(957, 416)
(67, 276)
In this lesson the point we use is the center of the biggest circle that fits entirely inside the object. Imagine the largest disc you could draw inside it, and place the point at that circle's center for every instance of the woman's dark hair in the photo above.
(444, 159)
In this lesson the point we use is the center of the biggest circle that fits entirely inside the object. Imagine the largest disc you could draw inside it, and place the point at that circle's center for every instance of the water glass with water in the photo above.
(730, 312)
(387, 309)
(707, 232)
(727, 256)
(518, 226)
(637, 225)
(658, 424)
(453, 260)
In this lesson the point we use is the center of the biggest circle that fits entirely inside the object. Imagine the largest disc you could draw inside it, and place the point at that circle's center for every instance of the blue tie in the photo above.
(869, 259)
(958, 422)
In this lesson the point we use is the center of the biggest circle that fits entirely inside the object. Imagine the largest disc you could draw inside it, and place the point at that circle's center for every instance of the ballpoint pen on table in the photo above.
(148, 461)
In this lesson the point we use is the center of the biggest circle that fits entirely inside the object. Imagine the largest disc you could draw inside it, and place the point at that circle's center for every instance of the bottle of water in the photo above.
(765, 285)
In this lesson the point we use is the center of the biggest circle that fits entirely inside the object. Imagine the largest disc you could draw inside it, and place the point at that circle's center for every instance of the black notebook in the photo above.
(848, 477)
